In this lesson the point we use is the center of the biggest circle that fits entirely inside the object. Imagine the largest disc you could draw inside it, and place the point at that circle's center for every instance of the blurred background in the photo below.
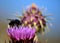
(12, 8)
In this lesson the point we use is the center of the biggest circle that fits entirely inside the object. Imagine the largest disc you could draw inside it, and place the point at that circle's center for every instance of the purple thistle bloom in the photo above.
(34, 15)
(21, 33)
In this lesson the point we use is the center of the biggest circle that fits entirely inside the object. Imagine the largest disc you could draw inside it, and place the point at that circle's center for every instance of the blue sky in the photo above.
(13, 6)
(8, 8)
